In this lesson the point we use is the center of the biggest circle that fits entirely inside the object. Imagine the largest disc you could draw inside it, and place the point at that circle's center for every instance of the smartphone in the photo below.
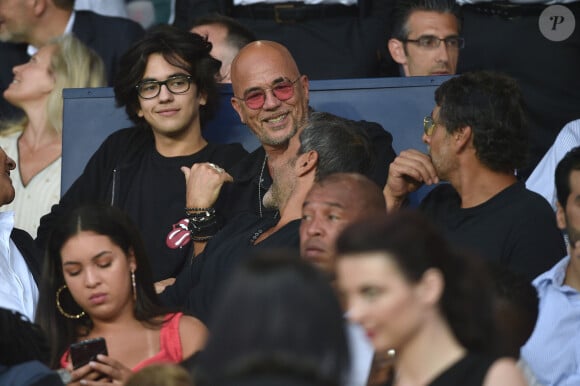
(85, 351)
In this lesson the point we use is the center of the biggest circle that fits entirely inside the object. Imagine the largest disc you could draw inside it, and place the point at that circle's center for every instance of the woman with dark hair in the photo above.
(410, 292)
(97, 283)
(278, 322)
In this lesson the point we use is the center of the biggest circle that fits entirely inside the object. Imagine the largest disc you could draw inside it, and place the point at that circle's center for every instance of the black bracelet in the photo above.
(203, 231)
(203, 220)
(201, 238)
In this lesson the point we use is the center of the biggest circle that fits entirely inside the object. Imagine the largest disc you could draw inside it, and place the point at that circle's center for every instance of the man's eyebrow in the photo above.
(333, 204)
(275, 81)
(437, 37)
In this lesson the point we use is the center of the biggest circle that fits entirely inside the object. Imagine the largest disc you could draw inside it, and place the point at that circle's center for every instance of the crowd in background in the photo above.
(173, 260)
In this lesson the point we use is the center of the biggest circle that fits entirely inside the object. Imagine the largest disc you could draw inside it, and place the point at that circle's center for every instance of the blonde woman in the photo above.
(35, 142)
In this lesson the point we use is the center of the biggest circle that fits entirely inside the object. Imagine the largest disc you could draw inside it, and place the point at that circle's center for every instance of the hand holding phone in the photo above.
(85, 351)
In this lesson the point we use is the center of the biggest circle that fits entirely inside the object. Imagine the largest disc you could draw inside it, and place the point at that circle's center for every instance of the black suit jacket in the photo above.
(323, 47)
(10, 56)
(186, 11)
(109, 36)
(32, 255)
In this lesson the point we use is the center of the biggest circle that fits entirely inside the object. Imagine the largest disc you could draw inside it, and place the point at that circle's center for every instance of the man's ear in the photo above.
(39, 7)
(236, 104)
(306, 163)
(202, 98)
(463, 137)
(560, 216)
(397, 51)
(305, 87)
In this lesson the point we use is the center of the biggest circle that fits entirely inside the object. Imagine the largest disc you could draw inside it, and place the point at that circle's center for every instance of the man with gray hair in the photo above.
(327, 144)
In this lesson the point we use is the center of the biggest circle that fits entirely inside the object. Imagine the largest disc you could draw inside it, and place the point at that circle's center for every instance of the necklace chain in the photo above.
(260, 181)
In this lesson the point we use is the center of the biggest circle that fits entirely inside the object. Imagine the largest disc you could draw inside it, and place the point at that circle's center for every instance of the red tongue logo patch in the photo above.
(179, 235)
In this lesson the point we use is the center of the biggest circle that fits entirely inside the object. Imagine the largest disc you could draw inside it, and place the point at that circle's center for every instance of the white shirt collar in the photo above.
(31, 50)
(6, 223)
(18, 290)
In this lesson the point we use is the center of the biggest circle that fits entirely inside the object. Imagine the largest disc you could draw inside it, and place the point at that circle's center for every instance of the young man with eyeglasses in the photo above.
(476, 138)
(167, 85)
(425, 37)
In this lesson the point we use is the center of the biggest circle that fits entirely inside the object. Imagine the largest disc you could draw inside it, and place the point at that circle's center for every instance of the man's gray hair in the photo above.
(342, 145)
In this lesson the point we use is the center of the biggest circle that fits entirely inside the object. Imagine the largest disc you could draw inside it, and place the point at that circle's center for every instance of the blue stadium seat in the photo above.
(398, 104)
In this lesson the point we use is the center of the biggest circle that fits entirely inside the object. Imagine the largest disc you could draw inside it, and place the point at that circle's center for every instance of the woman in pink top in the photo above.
(97, 283)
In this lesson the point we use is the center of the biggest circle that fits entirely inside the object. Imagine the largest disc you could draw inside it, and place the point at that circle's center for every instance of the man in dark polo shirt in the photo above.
(477, 138)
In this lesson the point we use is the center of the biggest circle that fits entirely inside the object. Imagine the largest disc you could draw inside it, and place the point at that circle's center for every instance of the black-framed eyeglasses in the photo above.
(178, 84)
(431, 42)
(429, 125)
(256, 98)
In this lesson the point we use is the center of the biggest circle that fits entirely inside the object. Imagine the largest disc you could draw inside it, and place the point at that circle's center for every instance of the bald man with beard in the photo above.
(271, 97)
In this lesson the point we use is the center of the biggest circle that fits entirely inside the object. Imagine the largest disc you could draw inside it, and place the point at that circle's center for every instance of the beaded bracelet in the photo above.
(199, 209)
(198, 214)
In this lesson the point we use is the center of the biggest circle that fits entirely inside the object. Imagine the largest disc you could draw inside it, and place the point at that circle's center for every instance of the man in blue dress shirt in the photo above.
(553, 350)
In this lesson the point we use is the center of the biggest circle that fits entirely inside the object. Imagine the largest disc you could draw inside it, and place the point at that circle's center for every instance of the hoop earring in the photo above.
(61, 310)
(134, 284)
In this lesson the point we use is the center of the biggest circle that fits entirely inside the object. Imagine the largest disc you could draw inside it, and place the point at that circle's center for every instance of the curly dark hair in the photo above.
(182, 49)
(492, 105)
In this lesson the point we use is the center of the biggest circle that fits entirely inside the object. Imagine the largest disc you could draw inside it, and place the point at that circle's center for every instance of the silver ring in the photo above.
(217, 168)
